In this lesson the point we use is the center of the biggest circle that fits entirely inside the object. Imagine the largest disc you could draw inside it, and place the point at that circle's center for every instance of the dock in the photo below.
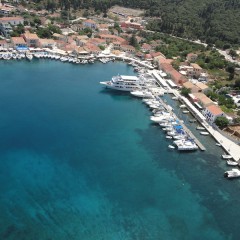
(190, 134)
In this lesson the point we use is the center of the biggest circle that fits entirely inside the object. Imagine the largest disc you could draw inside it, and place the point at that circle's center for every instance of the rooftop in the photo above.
(214, 109)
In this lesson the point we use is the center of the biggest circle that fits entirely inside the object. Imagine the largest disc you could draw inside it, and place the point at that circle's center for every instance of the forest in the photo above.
(212, 21)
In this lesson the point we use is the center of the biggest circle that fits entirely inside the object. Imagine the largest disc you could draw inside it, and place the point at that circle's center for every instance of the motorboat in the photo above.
(200, 128)
(182, 106)
(168, 137)
(186, 145)
(232, 163)
(123, 83)
(139, 93)
(204, 133)
(171, 146)
(218, 144)
(185, 111)
(226, 156)
(29, 56)
(232, 173)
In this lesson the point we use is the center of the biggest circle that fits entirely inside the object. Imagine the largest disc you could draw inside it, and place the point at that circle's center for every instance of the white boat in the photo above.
(183, 106)
(232, 173)
(218, 144)
(225, 156)
(171, 146)
(174, 98)
(186, 145)
(204, 133)
(200, 128)
(232, 163)
(123, 83)
(185, 111)
(168, 137)
(141, 94)
(29, 56)
(192, 120)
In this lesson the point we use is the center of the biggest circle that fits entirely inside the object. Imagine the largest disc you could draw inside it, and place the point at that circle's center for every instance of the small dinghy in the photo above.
(218, 144)
(171, 146)
(232, 163)
(204, 133)
(225, 156)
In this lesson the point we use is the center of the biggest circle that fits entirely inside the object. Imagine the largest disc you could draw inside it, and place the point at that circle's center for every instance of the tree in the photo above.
(185, 91)
(221, 122)
(133, 41)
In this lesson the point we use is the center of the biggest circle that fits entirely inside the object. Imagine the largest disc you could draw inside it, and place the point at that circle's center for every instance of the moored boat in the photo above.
(232, 163)
(204, 133)
(226, 156)
(232, 173)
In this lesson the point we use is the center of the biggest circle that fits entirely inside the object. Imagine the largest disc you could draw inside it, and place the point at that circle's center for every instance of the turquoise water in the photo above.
(78, 161)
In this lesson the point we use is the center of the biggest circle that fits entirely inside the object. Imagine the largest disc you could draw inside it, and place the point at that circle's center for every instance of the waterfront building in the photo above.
(18, 42)
(112, 38)
(47, 43)
(6, 24)
(4, 44)
(127, 48)
(212, 112)
(203, 100)
(192, 87)
(31, 39)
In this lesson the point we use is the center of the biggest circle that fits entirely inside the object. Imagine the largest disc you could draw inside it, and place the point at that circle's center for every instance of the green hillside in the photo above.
(213, 21)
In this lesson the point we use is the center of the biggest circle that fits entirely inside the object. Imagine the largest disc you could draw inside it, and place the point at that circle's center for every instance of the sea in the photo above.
(82, 162)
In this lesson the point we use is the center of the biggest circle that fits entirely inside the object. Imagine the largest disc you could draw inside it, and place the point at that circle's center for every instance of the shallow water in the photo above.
(78, 161)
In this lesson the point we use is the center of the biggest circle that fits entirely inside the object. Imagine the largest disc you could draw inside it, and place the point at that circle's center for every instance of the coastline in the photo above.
(230, 147)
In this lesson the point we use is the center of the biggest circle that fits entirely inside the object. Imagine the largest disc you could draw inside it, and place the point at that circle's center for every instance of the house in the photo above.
(132, 25)
(127, 48)
(112, 38)
(89, 24)
(6, 10)
(31, 39)
(81, 40)
(60, 37)
(197, 70)
(146, 47)
(92, 49)
(97, 41)
(203, 99)
(212, 112)
(47, 43)
(6, 24)
(192, 57)
(116, 45)
(192, 87)
(203, 87)
(4, 44)
(18, 42)
(148, 57)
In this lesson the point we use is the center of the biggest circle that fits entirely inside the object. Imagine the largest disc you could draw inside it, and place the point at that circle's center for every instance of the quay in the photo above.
(190, 134)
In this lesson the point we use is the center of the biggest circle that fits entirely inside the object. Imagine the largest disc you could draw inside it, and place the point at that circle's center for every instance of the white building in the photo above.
(212, 112)
(6, 24)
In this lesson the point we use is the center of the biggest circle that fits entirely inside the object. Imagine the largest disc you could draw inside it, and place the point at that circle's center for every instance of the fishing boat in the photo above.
(204, 133)
(232, 173)
(225, 156)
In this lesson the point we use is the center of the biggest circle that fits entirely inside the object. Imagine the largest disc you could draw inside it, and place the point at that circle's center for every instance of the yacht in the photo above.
(186, 145)
(29, 56)
(123, 83)
(232, 173)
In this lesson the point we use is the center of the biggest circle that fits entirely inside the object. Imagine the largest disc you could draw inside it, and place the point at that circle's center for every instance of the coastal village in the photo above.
(28, 33)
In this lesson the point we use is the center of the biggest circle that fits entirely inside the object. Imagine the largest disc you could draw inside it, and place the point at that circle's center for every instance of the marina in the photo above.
(86, 155)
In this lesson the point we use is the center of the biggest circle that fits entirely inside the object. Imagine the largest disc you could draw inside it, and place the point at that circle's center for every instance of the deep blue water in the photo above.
(78, 161)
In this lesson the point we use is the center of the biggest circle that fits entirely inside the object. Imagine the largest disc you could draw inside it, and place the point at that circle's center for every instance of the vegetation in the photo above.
(215, 22)
(48, 31)
(185, 91)
(221, 122)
